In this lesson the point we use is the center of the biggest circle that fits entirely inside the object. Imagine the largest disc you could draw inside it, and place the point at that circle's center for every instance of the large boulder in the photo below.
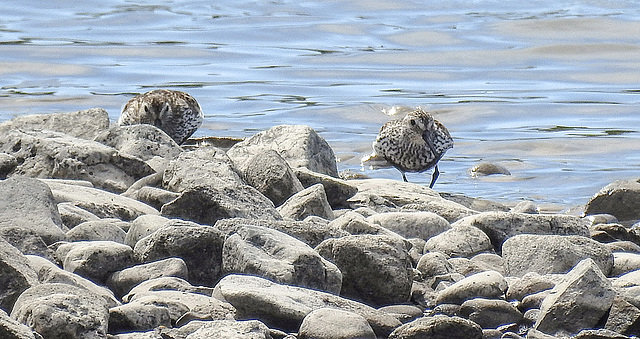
(204, 166)
(308, 202)
(28, 204)
(62, 311)
(299, 145)
(279, 257)
(460, 241)
(438, 327)
(500, 226)
(95, 260)
(199, 246)
(621, 198)
(85, 124)
(376, 269)
(578, 302)
(143, 141)
(284, 307)
(15, 275)
(55, 155)
(546, 254)
(329, 323)
(272, 176)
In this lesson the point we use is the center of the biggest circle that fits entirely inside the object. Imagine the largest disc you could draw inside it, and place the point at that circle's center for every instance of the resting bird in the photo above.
(414, 143)
(176, 113)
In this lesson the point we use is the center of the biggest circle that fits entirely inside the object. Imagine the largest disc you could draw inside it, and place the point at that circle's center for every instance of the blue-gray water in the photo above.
(548, 89)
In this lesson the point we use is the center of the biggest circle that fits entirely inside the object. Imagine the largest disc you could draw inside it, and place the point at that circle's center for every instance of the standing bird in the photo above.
(414, 143)
(176, 113)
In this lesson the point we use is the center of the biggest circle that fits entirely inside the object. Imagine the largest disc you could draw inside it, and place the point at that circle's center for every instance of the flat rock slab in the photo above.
(85, 124)
(56, 155)
(531, 253)
(299, 145)
(99, 202)
(29, 204)
(284, 307)
(62, 311)
(500, 226)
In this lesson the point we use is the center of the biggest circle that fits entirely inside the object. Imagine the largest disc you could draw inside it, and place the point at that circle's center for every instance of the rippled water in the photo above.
(547, 89)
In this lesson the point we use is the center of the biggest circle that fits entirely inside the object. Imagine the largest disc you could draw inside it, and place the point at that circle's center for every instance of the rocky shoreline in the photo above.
(119, 232)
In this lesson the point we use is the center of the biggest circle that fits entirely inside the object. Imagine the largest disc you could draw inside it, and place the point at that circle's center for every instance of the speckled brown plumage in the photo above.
(176, 113)
(414, 143)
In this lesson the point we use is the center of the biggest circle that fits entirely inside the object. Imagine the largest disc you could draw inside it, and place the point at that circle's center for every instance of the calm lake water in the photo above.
(548, 89)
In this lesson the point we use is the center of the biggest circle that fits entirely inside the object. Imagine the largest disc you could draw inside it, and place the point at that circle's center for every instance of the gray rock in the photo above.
(143, 141)
(423, 225)
(329, 323)
(624, 317)
(416, 250)
(487, 168)
(299, 145)
(489, 262)
(310, 232)
(438, 327)
(95, 260)
(11, 329)
(338, 190)
(199, 246)
(270, 174)
(55, 155)
(27, 241)
(614, 232)
(599, 334)
(490, 313)
(205, 166)
(624, 263)
(308, 202)
(29, 204)
(153, 196)
(73, 215)
(100, 203)
(579, 302)
(85, 124)
(7, 164)
(405, 313)
(279, 257)
(284, 307)
(621, 199)
(144, 225)
(502, 225)
(529, 283)
(376, 269)
(208, 204)
(185, 304)
(247, 329)
(137, 317)
(355, 224)
(121, 282)
(15, 275)
(530, 253)
(476, 204)
(105, 229)
(533, 301)
(49, 272)
(525, 207)
(433, 264)
(460, 241)
(62, 311)
(166, 284)
(489, 284)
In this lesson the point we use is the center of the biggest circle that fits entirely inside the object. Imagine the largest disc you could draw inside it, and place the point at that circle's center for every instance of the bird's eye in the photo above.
(146, 109)
(412, 122)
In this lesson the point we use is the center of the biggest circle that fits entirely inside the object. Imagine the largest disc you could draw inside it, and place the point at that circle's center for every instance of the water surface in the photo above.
(549, 90)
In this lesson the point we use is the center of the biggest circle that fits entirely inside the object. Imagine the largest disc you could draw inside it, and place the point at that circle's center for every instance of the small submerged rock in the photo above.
(487, 168)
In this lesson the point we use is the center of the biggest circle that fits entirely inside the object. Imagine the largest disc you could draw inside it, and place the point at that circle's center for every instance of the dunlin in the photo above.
(176, 113)
(414, 143)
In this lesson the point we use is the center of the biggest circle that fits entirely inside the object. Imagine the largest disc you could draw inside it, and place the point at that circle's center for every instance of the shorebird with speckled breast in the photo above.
(176, 113)
(414, 143)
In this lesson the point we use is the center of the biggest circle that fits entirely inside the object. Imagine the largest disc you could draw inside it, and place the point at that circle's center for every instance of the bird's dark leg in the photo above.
(404, 177)
(434, 176)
